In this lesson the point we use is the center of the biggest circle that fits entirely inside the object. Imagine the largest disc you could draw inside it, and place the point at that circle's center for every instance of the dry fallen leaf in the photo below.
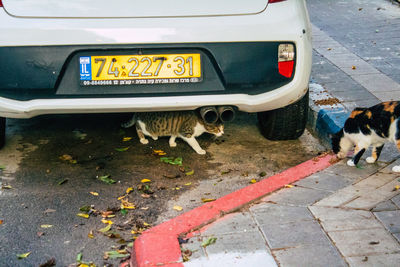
(94, 193)
(106, 221)
(90, 234)
(207, 199)
(126, 139)
(46, 226)
(396, 187)
(125, 204)
(145, 181)
(121, 197)
(6, 187)
(23, 256)
(288, 186)
(107, 214)
(178, 208)
(187, 184)
(129, 189)
(353, 67)
(253, 181)
(83, 215)
(159, 152)
(1, 221)
(49, 211)
(68, 158)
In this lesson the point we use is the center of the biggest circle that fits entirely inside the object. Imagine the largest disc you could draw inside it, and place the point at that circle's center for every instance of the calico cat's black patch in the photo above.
(368, 127)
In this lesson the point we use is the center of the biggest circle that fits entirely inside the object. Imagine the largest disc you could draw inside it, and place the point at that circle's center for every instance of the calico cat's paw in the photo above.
(396, 169)
(370, 160)
(350, 163)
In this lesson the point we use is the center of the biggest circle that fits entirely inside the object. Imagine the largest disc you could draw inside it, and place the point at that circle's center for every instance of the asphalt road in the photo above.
(52, 167)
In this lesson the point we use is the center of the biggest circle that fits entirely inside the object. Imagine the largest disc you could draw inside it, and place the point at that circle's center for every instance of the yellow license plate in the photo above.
(140, 69)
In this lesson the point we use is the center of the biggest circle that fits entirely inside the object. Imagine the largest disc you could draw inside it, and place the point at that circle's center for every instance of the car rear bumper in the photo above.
(278, 98)
(48, 85)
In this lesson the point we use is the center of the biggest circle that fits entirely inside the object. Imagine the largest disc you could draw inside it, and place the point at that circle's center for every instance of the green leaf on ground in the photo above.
(116, 254)
(23, 255)
(79, 257)
(359, 167)
(2, 167)
(106, 179)
(122, 149)
(208, 242)
(105, 229)
(172, 160)
(189, 173)
(85, 208)
(124, 212)
(63, 181)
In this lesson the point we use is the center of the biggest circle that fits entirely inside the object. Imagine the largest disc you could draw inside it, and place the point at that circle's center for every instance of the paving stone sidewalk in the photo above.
(342, 216)
(338, 217)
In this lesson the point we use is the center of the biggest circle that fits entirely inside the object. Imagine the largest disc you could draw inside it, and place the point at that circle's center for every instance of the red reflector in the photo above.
(1, 4)
(275, 1)
(286, 68)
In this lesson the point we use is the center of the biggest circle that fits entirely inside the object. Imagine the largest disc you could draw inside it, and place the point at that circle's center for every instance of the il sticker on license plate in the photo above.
(140, 69)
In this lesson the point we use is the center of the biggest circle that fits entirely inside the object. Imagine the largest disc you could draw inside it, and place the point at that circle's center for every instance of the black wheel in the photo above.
(286, 123)
(2, 131)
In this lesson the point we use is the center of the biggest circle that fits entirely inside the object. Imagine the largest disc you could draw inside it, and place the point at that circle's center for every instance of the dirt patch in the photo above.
(330, 101)
(73, 152)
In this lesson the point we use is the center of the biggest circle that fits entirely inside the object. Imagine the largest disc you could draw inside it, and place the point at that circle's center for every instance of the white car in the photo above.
(86, 56)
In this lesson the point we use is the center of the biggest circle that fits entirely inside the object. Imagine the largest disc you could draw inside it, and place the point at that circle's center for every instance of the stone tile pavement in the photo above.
(342, 216)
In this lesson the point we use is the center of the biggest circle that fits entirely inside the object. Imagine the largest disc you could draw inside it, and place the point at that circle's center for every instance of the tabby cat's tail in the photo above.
(129, 123)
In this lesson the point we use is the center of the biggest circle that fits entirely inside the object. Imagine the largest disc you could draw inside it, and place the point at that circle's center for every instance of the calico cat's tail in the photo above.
(129, 123)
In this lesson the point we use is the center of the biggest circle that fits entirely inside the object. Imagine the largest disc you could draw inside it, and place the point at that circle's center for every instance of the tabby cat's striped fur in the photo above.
(184, 124)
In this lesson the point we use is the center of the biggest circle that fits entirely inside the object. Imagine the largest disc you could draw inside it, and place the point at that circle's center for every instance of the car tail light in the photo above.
(275, 1)
(286, 59)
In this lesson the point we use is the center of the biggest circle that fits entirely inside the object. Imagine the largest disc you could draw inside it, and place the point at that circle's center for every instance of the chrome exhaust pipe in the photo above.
(209, 114)
(226, 113)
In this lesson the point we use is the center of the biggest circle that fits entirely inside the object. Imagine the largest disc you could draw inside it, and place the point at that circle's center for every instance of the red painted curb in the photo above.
(159, 245)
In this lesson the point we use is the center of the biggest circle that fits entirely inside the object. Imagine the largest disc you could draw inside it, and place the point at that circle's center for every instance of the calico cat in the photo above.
(184, 124)
(367, 127)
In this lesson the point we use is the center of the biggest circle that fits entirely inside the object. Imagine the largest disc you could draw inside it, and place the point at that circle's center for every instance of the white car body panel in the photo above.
(290, 15)
(130, 9)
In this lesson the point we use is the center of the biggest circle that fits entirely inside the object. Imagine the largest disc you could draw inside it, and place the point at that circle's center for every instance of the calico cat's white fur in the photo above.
(367, 127)
(186, 125)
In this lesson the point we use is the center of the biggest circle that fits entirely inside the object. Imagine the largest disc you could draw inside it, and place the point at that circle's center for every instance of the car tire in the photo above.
(2, 132)
(287, 123)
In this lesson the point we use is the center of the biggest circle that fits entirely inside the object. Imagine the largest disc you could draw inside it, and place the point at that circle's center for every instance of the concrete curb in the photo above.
(324, 120)
(159, 246)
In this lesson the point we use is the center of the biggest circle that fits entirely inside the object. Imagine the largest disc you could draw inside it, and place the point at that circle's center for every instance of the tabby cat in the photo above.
(184, 124)
(367, 127)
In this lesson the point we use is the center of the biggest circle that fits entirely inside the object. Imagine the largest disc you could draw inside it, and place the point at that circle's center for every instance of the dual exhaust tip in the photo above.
(212, 114)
